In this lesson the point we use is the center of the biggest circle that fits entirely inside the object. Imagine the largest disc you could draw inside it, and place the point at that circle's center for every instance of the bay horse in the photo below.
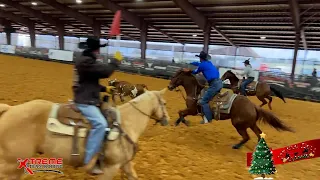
(38, 124)
(242, 112)
(260, 89)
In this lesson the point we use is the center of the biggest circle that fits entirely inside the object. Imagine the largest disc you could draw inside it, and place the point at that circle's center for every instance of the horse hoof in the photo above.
(235, 146)
(187, 123)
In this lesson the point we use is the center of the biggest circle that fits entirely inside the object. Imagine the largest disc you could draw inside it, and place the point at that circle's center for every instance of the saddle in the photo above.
(250, 87)
(222, 103)
(66, 119)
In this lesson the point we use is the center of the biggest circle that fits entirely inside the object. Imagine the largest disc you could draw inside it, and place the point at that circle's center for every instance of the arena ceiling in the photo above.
(258, 23)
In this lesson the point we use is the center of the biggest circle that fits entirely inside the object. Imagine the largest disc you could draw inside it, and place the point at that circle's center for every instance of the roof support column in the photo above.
(206, 37)
(97, 29)
(60, 30)
(7, 29)
(32, 34)
(295, 54)
(295, 15)
(143, 39)
(8, 35)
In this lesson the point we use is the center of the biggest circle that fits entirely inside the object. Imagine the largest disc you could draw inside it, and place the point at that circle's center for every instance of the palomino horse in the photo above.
(27, 124)
(242, 112)
(260, 89)
(125, 88)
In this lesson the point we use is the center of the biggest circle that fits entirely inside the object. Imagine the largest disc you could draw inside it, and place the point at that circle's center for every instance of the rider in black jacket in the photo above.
(87, 90)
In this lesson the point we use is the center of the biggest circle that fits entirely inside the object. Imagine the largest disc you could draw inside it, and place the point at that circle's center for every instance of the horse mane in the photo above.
(193, 76)
(229, 71)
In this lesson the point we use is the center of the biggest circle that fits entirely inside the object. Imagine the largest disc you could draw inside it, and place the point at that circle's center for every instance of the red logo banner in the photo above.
(292, 153)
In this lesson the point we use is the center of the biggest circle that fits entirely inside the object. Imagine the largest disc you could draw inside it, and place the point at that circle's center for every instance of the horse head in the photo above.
(229, 75)
(180, 78)
(157, 104)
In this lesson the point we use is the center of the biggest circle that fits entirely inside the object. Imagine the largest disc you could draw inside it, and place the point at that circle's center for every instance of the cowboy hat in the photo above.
(246, 61)
(203, 55)
(92, 43)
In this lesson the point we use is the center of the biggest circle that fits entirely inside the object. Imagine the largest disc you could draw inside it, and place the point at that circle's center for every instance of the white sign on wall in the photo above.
(7, 49)
(60, 55)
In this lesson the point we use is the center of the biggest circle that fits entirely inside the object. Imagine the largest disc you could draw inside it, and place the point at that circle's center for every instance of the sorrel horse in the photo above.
(29, 123)
(243, 113)
(260, 89)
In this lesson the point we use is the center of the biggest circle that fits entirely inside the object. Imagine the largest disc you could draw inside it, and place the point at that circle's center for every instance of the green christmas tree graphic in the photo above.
(262, 162)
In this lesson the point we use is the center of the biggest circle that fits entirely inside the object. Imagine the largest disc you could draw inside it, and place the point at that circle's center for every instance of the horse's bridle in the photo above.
(162, 105)
(185, 98)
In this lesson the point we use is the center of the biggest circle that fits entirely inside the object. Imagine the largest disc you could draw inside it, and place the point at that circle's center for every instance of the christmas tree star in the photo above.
(263, 135)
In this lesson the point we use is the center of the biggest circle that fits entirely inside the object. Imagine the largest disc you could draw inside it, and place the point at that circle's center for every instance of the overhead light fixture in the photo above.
(79, 1)
(263, 37)
(2, 5)
(34, 3)
(194, 35)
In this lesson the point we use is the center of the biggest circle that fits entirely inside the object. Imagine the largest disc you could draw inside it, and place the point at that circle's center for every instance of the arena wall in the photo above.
(303, 89)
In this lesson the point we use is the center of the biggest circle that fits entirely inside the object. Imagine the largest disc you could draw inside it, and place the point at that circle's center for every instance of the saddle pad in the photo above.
(53, 125)
(56, 126)
(225, 107)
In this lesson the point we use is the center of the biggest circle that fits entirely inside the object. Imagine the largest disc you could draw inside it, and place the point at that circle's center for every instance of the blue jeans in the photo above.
(97, 132)
(215, 87)
(244, 85)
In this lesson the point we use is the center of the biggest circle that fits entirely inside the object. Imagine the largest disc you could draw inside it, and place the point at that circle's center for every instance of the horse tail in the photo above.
(278, 94)
(272, 120)
(4, 108)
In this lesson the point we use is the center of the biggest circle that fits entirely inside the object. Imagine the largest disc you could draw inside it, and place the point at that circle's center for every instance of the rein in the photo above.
(195, 94)
(151, 117)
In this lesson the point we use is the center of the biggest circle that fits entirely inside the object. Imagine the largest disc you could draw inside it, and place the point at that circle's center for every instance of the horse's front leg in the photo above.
(183, 114)
(109, 172)
(130, 171)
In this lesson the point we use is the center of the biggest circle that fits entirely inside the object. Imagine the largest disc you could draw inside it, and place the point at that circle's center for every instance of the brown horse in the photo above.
(260, 89)
(242, 112)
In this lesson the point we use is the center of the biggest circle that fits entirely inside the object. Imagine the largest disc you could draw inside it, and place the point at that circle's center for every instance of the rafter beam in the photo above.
(166, 34)
(198, 17)
(73, 13)
(31, 12)
(69, 11)
(132, 18)
(16, 18)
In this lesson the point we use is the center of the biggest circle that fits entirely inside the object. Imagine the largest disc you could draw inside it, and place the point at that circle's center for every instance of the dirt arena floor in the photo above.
(170, 153)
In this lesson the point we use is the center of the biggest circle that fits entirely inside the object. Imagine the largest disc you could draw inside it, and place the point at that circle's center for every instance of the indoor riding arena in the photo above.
(195, 152)
(277, 40)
